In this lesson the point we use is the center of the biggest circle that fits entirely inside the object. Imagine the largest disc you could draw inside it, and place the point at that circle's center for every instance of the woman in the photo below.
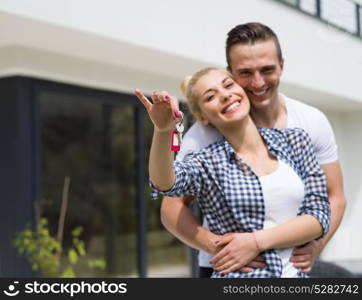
(236, 180)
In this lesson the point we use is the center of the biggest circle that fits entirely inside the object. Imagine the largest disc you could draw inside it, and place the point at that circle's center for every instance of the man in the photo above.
(255, 60)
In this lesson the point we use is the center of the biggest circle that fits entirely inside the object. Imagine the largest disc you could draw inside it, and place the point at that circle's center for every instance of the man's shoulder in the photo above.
(196, 138)
(202, 132)
(216, 149)
(301, 108)
(317, 125)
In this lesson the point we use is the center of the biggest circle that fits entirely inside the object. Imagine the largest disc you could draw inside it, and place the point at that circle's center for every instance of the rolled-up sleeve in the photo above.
(315, 201)
(188, 179)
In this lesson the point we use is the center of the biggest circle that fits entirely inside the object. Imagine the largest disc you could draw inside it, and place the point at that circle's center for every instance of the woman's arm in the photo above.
(163, 113)
(160, 163)
(238, 249)
(311, 223)
(295, 232)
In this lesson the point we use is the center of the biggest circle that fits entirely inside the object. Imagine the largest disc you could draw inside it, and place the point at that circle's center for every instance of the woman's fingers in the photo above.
(147, 103)
(155, 97)
(166, 97)
(228, 267)
(162, 104)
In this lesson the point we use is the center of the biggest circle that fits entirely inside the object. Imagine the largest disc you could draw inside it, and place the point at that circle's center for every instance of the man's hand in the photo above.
(304, 257)
(257, 262)
(237, 251)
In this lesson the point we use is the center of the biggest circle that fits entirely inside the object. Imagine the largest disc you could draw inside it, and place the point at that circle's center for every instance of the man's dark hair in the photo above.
(251, 33)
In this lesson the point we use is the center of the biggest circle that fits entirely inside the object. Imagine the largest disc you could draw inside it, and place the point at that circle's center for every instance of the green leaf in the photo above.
(77, 231)
(68, 273)
(96, 264)
(72, 256)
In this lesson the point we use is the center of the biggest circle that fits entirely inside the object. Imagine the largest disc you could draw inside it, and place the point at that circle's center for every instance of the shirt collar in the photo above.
(270, 136)
(230, 152)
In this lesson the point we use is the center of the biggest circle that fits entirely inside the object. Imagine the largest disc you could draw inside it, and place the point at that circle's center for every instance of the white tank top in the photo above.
(283, 192)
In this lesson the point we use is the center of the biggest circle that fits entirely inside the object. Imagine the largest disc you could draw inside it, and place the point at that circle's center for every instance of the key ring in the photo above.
(176, 139)
(180, 126)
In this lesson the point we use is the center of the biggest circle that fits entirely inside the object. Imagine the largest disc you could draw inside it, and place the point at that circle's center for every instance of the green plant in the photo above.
(44, 252)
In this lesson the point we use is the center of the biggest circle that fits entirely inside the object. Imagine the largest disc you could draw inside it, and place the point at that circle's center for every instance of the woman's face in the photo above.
(221, 100)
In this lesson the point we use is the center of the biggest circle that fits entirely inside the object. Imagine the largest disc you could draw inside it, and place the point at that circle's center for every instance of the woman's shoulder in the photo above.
(294, 139)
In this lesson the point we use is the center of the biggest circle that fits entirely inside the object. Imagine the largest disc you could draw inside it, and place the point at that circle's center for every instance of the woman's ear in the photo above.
(202, 119)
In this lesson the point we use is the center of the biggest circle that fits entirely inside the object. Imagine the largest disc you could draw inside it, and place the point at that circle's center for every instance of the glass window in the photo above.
(340, 13)
(92, 141)
(309, 6)
(292, 2)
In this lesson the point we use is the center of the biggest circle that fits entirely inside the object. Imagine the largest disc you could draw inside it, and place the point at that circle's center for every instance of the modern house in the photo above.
(67, 72)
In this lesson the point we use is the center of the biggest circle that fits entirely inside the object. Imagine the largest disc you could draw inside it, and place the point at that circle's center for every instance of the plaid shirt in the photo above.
(230, 194)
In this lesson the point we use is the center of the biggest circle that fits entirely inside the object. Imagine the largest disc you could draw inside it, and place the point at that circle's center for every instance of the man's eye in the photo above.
(245, 73)
(268, 71)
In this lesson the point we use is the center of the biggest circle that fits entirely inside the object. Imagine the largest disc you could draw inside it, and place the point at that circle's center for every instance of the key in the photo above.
(179, 134)
(180, 129)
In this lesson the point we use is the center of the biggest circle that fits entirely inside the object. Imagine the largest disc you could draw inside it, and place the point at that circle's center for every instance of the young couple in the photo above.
(261, 190)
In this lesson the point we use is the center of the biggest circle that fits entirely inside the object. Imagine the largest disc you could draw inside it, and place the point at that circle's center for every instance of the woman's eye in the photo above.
(209, 98)
(229, 85)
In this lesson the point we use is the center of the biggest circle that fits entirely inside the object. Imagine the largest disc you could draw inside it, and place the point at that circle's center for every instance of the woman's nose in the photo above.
(225, 97)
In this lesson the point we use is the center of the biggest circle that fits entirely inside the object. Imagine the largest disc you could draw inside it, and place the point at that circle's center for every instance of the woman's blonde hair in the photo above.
(187, 85)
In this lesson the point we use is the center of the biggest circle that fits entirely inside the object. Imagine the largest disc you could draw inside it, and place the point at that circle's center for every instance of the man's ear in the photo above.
(281, 63)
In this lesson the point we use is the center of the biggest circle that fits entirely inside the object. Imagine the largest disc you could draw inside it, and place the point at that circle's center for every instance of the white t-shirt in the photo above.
(299, 115)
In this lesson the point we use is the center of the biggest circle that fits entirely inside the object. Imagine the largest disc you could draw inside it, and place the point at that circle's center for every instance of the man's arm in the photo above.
(178, 219)
(336, 197)
(304, 257)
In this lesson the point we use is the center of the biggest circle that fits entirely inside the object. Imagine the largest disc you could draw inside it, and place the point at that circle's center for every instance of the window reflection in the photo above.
(93, 142)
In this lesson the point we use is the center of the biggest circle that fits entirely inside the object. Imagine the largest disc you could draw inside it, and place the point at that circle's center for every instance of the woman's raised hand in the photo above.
(164, 111)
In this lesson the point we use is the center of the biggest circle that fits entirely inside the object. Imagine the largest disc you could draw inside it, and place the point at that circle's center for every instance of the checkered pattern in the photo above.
(230, 194)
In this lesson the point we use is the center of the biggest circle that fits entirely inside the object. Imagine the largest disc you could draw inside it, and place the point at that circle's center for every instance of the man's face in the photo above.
(257, 69)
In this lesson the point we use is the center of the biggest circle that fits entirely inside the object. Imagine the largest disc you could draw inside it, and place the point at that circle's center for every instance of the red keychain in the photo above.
(176, 137)
(175, 143)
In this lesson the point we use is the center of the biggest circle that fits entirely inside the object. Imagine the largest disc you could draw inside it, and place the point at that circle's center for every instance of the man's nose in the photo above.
(257, 81)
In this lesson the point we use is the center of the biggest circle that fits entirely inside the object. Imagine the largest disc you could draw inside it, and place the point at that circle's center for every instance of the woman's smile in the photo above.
(231, 107)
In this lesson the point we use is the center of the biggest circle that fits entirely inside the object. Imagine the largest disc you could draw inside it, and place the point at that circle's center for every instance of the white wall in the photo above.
(347, 242)
(120, 45)
(317, 56)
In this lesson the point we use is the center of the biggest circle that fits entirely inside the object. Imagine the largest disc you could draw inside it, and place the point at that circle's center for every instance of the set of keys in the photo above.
(176, 139)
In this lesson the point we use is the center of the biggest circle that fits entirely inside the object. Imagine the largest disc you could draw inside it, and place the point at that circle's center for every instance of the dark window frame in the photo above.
(21, 98)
